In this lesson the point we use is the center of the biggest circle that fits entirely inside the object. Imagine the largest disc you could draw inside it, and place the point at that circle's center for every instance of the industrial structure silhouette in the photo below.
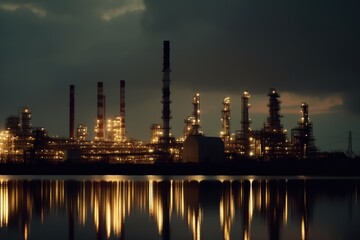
(20, 142)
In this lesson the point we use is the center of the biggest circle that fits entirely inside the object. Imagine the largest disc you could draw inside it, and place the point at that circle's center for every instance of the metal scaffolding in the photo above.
(302, 136)
(273, 135)
(196, 115)
(225, 121)
(245, 124)
(188, 126)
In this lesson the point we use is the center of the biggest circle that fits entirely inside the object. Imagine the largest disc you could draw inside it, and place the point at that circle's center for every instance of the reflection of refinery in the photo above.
(20, 142)
(107, 205)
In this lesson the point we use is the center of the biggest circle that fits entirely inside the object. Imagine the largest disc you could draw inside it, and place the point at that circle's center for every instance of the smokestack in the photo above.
(100, 112)
(122, 110)
(72, 112)
(166, 96)
(166, 56)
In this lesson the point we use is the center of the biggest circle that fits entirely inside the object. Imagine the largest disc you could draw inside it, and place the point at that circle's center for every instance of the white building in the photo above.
(201, 149)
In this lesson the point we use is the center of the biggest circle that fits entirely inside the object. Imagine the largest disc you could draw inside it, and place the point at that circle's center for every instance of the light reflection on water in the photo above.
(193, 207)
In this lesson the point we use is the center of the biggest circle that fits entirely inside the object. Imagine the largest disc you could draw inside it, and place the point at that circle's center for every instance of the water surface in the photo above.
(193, 207)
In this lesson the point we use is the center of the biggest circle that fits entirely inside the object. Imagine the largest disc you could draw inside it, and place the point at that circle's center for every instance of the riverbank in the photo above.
(287, 167)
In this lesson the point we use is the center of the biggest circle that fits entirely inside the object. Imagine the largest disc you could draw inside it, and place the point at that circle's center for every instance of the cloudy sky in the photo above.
(307, 50)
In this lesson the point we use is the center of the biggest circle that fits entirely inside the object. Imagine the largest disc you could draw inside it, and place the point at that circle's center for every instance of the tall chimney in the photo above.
(72, 112)
(166, 96)
(122, 111)
(100, 112)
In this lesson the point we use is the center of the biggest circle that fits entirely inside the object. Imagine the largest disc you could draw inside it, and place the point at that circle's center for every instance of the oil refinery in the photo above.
(22, 143)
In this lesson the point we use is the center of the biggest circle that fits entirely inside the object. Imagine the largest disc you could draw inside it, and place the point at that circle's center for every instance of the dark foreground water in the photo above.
(198, 207)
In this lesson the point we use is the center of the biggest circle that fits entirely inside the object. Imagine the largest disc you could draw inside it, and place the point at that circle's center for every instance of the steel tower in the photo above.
(225, 121)
(196, 115)
(166, 97)
(245, 124)
(302, 136)
(273, 134)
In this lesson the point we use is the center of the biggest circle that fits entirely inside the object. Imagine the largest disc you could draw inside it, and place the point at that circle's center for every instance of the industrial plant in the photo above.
(20, 142)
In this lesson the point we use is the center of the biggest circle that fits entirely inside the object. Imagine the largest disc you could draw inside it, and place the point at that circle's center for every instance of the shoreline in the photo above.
(279, 167)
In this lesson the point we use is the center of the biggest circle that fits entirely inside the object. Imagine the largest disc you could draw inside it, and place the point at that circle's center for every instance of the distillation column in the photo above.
(72, 112)
(196, 115)
(245, 123)
(188, 126)
(305, 125)
(25, 123)
(274, 111)
(166, 96)
(225, 121)
(100, 113)
(305, 113)
(273, 134)
(122, 111)
(302, 135)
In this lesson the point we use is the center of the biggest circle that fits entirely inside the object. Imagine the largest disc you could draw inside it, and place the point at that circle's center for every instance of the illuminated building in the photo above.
(81, 132)
(114, 130)
(6, 144)
(156, 133)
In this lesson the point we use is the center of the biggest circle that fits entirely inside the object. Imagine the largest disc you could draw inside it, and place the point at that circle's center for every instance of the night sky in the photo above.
(308, 50)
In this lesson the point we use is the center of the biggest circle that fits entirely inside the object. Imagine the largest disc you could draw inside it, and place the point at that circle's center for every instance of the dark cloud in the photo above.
(72, 44)
(303, 47)
(298, 46)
